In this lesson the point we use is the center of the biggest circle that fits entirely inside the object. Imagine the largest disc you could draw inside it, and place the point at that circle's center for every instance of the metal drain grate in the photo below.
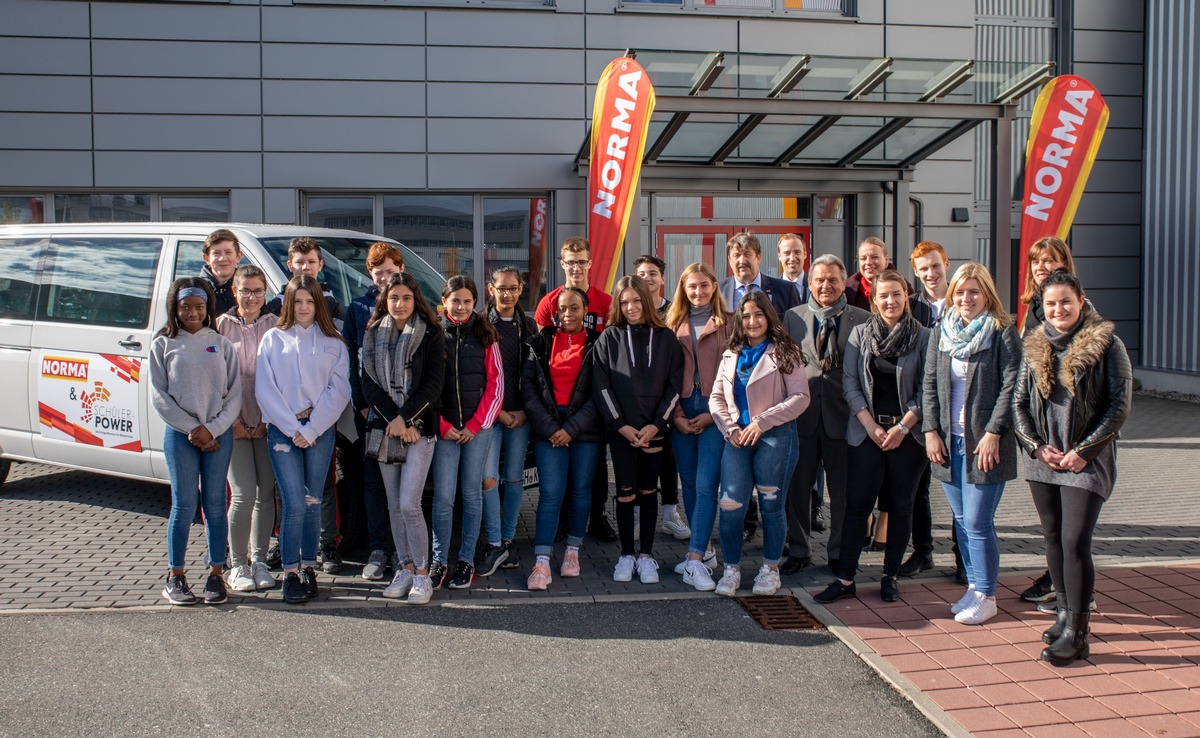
(779, 612)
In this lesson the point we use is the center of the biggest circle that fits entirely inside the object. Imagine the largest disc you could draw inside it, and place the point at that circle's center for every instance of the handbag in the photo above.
(384, 448)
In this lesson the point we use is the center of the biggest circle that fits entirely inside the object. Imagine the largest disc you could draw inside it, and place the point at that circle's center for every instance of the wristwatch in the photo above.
(903, 428)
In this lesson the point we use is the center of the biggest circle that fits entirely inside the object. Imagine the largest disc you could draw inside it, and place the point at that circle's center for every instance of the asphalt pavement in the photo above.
(629, 669)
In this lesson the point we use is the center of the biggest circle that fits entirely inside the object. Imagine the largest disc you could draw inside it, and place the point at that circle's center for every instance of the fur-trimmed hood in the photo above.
(1086, 351)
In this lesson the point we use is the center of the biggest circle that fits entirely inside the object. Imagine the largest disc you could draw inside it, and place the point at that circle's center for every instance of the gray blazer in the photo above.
(859, 388)
(827, 405)
(991, 381)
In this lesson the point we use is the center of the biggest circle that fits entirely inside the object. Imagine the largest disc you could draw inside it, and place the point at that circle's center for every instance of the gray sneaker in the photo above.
(373, 571)
(422, 590)
(400, 586)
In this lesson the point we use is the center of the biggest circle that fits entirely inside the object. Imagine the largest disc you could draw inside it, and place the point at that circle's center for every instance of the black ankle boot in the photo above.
(1072, 644)
(1053, 633)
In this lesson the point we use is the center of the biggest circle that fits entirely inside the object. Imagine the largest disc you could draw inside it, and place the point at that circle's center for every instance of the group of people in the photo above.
(748, 391)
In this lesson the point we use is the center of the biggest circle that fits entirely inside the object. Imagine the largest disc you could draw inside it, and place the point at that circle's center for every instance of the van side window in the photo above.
(99, 281)
(18, 277)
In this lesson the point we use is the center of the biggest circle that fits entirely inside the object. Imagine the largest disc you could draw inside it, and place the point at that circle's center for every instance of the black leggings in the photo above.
(870, 473)
(1069, 517)
(637, 475)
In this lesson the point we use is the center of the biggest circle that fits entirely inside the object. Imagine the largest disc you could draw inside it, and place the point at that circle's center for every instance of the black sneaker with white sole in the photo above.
(214, 590)
(177, 591)
(464, 575)
(293, 589)
(1041, 590)
(492, 558)
(308, 578)
(512, 561)
(330, 560)
(438, 573)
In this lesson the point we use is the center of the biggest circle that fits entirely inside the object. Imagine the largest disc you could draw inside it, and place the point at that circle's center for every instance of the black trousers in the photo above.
(668, 474)
(1069, 517)
(922, 517)
(815, 450)
(871, 472)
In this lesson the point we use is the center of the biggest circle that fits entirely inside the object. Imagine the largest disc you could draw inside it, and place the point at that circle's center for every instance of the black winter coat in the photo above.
(428, 371)
(583, 421)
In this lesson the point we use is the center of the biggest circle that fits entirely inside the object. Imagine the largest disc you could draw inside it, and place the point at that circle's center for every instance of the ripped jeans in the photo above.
(300, 474)
(765, 467)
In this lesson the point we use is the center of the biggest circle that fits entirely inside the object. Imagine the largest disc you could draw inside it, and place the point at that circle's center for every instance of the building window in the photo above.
(835, 8)
(15, 209)
(514, 234)
(195, 209)
(439, 228)
(101, 208)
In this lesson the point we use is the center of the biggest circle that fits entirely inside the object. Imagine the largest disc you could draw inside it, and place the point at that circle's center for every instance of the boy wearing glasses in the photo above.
(576, 261)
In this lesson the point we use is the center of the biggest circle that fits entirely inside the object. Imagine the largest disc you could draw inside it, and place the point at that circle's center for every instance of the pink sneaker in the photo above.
(539, 578)
(570, 564)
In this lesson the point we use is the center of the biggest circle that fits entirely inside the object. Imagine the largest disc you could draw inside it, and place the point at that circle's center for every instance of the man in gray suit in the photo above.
(821, 327)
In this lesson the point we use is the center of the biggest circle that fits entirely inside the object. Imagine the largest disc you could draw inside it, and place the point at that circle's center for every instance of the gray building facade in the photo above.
(454, 126)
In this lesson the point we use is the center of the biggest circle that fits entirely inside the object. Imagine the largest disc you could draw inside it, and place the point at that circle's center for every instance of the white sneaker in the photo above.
(422, 590)
(767, 581)
(710, 560)
(624, 570)
(400, 586)
(263, 579)
(698, 575)
(647, 569)
(967, 598)
(373, 571)
(676, 526)
(731, 579)
(241, 579)
(980, 611)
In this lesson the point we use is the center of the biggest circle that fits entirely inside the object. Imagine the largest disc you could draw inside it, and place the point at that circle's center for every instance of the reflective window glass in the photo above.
(18, 277)
(16, 209)
(515, 231)
(213, 209)
(352, 213)
(100, 281)
(439, 228)
(81, 208)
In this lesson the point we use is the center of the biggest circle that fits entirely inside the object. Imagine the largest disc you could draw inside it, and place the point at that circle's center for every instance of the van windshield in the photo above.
(345, 269)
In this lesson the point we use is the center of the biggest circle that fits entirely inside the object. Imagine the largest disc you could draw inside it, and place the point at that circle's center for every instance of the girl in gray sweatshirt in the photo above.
(196, 390)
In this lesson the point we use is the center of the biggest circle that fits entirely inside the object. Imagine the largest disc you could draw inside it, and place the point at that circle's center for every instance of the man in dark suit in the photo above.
(821, 327)
(792, 254)
(744, 253)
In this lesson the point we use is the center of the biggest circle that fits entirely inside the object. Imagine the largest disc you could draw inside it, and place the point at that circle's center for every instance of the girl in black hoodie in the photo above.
(638, 376)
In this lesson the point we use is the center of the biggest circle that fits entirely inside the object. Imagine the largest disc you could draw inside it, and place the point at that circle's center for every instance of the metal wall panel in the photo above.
(46, 131)
(178, 132)
(43, 55)
(316, 134)
(342, 97)
(1170, 303)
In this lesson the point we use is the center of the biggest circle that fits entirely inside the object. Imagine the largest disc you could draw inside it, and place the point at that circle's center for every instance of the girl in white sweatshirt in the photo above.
(302, 385)
(195, 388)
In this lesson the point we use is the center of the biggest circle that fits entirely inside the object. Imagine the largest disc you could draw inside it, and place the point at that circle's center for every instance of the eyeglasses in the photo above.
(507, 290)
(252, 293)
(579, 264)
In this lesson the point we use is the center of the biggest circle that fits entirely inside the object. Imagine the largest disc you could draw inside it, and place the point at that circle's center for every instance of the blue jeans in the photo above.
(558, 467)
(300, 474)
(197, 478)
(455, 463)
(765, 467)
(503, 526)
(974, 507)
(698, 459)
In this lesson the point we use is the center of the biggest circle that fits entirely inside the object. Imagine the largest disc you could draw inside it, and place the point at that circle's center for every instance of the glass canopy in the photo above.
(799, 110)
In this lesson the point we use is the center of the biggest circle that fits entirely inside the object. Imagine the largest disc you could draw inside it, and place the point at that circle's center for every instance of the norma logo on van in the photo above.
(58, 367)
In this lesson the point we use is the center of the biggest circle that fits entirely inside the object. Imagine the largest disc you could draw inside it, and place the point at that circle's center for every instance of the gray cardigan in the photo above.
(857, 383)
(991, 380)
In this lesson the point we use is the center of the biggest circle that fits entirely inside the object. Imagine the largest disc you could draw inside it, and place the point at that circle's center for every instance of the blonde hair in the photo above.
(991, 297)
(1058, 249)
(678, 312)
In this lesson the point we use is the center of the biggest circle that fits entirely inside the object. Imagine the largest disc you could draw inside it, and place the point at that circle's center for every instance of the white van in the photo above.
(79, 306)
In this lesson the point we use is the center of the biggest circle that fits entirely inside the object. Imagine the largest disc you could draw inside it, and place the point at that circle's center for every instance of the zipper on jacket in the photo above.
(457, 382)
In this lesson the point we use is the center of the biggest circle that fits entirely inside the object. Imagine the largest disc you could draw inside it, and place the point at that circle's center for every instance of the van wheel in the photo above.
(5, 465)
(347, 480)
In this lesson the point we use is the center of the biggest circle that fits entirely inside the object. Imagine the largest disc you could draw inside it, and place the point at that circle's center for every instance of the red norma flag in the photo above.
(1068, 122)
(620, 118)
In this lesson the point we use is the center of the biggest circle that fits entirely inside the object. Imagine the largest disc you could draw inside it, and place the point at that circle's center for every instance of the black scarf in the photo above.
(893, 343)
(829, 356)
(1062, 341)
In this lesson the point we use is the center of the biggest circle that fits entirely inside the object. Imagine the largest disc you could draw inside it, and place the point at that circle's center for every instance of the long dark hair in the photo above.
(787, 353)
(171, 329)
(421, 305)
(483, 329)
(1062, 277)
(287, 315)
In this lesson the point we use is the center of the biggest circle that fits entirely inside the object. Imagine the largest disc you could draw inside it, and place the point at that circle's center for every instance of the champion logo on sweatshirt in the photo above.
(212, 349)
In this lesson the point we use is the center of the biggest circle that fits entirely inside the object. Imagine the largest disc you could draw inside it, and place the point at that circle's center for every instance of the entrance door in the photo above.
(680, 245)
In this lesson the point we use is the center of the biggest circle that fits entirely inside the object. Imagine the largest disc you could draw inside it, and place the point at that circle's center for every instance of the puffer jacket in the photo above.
(583, 421)
(1096, 372)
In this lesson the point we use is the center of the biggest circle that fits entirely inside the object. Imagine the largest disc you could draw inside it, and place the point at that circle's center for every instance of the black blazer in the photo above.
(828, 406)
(781, 292)
(428, 373)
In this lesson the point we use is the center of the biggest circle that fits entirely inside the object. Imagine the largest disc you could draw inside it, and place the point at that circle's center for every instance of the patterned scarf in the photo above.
(964, 341)
(388, 361)
(891, 343)
(829, 357)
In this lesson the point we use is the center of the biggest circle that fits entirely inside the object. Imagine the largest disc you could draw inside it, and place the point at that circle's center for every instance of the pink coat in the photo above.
(774, 398)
